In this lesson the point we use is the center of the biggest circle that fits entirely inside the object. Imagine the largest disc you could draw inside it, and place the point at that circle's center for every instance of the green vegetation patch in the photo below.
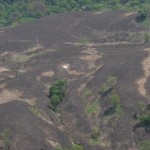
(84, 40)
(60, 148)
(95, 137)
(104, 88)
(144, 145)
(57, 92)
(14, 12)
(92, 108)
(142, 105)
(145, 119)
(87, 93)
(77, 147)
(115, 101)
(110, 82)
(39, 113)
(5, 136)
(73, 147)
(146, 23)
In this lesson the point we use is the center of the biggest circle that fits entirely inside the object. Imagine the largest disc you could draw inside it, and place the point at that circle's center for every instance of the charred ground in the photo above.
(95, 47)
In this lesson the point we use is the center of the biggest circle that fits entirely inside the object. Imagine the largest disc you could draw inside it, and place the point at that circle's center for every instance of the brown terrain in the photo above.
(84, 48)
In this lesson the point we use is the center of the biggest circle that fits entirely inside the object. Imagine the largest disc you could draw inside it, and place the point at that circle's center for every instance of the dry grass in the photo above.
(29, 53)
(45, 74)
(40, 114)
(52, 143)
(48, 74)
(91, 57)
(90, 44)
(146, 68)
(35, 48)
(2, 144)
(98, 12)
(24, 57)
(2, 69)
(5, 54)
(7, 96)
(129, 14)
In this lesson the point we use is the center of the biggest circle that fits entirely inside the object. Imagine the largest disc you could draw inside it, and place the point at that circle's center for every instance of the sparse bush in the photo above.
(114, 99)
(57, 92)
(141, 16)
(118, 111)
(144, 145)
(145, 119)
(87, 93)
(84, 41)
(142, 105)
(15, 68)
(107, 87)
(146, 10)
(92, 108)
(5, 135)
(104, 88)
(60, 148)
(77, 147)
(111, 81)
(146, 37)
(95, 135)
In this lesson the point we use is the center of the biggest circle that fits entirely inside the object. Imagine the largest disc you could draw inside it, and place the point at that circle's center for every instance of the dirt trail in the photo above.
(97, 44)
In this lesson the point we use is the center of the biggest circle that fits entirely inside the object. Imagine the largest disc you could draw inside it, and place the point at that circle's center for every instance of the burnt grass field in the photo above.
(102, 56)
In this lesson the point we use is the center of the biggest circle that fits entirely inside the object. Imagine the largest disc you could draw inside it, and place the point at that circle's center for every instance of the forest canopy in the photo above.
(13, 12)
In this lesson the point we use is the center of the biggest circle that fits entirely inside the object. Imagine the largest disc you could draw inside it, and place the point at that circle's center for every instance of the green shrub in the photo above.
(92, 108)
(77, 147)
(84, 40)
(118, 111)
(114, 99)
(144, 145)
(95, 135)
(142, 105)
(141, 16)
(104, 88)
(146, 10)
(145, 119)
(55, 100)
(111, 81)
(5, 135)
(146, 37)
(60, 148)
(87, 93)
(57, 92)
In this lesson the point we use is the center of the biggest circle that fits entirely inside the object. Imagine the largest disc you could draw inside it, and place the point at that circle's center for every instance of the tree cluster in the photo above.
(57, 92)
(13, 12)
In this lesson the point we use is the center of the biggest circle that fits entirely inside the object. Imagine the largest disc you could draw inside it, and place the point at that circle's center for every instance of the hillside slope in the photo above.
(106, 65)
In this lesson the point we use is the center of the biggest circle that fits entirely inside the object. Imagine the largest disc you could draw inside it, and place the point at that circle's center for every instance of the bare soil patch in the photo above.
(146, 68)
(9, 95)
(2, 69)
